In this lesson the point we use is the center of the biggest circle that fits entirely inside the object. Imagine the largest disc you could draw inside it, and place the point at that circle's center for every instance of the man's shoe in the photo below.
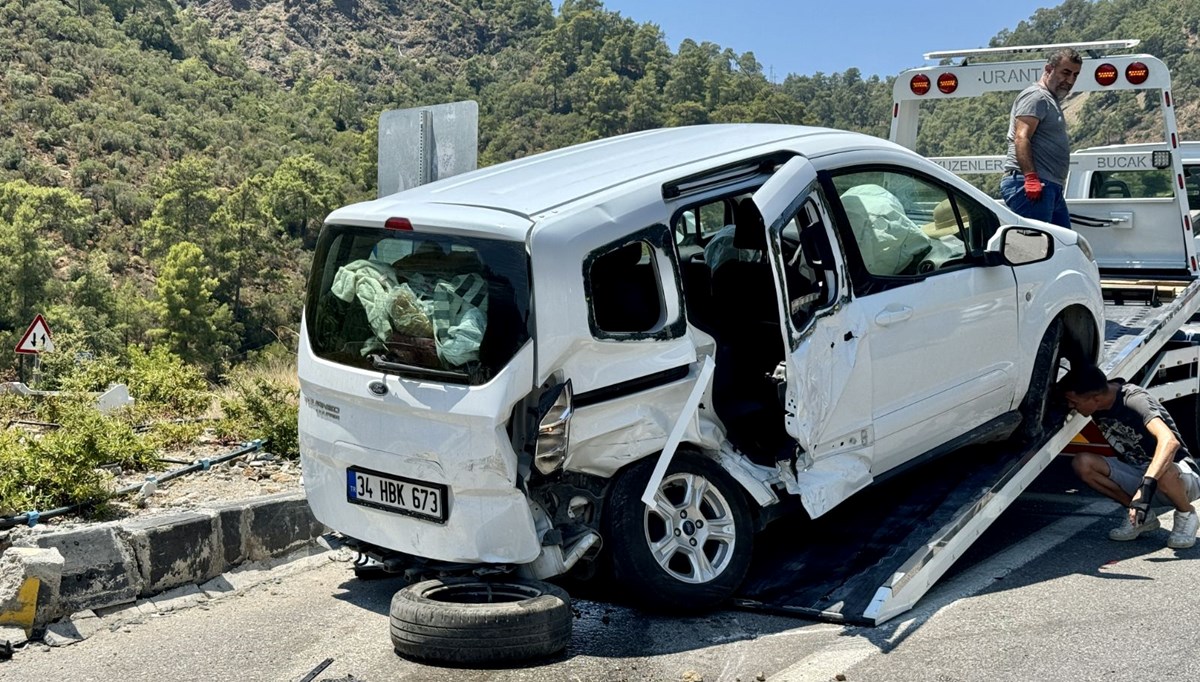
(1184, 530)
(1127, 531)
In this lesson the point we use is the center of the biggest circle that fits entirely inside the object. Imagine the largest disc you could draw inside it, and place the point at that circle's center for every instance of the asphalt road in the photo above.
(1043, 595)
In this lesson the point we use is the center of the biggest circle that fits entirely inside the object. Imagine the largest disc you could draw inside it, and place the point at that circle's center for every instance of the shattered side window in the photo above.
(451, 307)
(625, 292)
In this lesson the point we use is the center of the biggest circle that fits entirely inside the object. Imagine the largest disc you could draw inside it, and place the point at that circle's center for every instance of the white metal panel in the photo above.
(431, 432)
(946, 368)
(923, 568)
(984, 77)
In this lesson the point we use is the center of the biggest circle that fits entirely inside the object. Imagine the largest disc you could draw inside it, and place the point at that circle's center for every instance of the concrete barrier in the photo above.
(115, 563)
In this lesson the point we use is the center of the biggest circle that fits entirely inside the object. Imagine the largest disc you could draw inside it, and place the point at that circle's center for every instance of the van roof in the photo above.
(535, 184)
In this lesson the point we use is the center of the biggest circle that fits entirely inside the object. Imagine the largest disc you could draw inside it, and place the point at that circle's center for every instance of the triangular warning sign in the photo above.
(36, 338)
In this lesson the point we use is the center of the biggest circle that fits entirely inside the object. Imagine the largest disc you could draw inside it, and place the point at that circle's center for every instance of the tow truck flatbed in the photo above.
(865, 563)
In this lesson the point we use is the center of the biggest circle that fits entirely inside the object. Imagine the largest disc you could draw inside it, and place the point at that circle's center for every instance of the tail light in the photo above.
(1137, 73)
(1106, 74)
(947, 83)
(554, 428)
(919, 84)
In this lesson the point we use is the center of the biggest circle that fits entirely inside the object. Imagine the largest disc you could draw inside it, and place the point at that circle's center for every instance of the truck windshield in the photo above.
(451, 309)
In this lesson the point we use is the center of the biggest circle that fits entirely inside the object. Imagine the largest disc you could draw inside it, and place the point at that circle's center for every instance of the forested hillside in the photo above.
(164, 166)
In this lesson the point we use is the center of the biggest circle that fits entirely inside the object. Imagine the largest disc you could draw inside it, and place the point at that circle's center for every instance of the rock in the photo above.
(86, 623)
(62, 633)
(12, 636)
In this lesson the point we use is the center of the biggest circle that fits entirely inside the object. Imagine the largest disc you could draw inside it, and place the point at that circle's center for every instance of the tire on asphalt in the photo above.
(652, 551)
(475, 620)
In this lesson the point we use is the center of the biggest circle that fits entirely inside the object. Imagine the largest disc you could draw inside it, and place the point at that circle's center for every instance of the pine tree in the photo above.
(193, 325)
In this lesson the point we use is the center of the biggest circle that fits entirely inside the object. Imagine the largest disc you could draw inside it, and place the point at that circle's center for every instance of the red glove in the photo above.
(1033, 187)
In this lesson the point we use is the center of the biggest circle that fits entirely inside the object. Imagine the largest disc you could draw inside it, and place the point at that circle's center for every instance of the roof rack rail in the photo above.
(1093, 48)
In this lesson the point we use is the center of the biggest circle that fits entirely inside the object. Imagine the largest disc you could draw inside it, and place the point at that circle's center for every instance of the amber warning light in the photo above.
(947, 83)
(397, 224)
(919, 84)
(1137, 73)
(1106, 74)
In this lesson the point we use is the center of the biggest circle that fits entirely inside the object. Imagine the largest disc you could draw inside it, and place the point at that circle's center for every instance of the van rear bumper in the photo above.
(482, 525)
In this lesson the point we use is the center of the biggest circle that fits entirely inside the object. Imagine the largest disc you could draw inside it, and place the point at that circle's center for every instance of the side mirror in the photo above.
(1025, 245)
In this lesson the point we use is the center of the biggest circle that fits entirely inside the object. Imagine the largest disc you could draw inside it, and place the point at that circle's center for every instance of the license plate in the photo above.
(396, 494)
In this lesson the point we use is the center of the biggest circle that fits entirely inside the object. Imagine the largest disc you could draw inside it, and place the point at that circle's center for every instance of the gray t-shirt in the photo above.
(1124, 425)
(1051, 145)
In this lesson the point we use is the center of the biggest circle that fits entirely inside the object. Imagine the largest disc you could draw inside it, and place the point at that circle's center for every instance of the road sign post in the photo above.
(424, 144)
(35, 341)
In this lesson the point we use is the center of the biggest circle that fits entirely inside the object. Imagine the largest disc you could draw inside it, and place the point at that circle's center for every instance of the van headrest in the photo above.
(749, 230)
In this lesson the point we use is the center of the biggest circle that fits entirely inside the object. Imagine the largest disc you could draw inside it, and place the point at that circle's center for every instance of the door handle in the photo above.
(889, 317)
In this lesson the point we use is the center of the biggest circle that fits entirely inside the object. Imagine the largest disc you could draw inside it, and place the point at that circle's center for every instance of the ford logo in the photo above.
(378, 387)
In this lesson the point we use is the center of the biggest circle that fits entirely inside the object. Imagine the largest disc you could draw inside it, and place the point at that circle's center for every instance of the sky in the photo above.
(879, 37)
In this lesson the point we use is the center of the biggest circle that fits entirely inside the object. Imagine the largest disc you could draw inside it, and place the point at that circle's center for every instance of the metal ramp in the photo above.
(873, 559)
(906, 533)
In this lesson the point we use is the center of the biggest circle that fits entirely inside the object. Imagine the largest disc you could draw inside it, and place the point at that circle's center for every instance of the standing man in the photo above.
(1152, 464)
(1039, 150)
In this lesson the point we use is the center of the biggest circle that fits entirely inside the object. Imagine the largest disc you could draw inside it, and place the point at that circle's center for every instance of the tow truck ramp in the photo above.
(873, 559)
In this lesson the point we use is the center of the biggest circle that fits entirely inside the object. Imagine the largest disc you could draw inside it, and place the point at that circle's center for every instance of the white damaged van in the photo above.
(649, 346)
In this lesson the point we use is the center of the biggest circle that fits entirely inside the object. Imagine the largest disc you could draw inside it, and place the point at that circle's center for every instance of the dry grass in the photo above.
(275, 370)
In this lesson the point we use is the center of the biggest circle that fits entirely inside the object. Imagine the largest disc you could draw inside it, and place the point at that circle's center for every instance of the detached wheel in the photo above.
(472, 620)
(692, 549)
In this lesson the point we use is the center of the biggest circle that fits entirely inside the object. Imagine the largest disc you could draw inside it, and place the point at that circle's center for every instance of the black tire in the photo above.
(675, 579)
(478, 621)
(1186, 414)
(1035, 407)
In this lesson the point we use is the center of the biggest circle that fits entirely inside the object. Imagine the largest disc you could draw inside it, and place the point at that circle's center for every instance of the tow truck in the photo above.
(1146, 249)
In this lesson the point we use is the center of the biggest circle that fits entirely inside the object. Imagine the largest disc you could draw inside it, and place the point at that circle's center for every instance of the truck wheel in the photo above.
(689, 551)
(1186, 413)
(473, 620)
(1034, 406)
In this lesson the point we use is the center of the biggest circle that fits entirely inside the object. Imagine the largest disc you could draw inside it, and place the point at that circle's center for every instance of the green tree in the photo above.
(187, 200)
(301, 192)
(27, 276)
(247, 234)
(191, 323)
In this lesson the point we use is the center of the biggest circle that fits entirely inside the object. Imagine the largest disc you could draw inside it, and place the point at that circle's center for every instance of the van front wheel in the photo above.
(1035, 408)
(691, 549)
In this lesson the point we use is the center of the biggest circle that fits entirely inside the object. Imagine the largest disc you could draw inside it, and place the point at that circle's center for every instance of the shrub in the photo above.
(164, 385)
(170, 435)
(262, 399)
(35, 476)
(94, 439)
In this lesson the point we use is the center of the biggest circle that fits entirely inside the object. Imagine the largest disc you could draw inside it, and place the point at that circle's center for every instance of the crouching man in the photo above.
(1152, 465)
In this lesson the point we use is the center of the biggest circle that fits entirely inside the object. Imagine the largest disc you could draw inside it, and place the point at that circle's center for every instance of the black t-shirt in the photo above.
(1124, 425)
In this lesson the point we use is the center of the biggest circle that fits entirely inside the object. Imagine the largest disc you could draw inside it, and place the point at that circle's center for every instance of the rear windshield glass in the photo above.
(428, 306)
